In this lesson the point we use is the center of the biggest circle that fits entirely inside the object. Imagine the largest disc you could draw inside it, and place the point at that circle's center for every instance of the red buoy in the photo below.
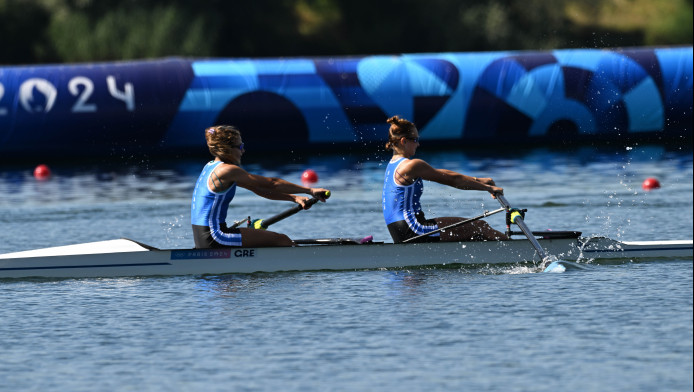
(309, 176)
(650, 183)
(42, 172)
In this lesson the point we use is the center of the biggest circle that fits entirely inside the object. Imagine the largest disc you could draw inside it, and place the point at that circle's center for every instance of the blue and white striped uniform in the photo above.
(209, 208)
(401, 203)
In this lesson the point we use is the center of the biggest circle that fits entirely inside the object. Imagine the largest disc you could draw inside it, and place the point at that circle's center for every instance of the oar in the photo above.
(265, 223)
(517, 218)
(486, 214)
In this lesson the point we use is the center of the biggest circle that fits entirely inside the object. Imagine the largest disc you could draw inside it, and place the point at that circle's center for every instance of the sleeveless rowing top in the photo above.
(209, 208)
(401, 202)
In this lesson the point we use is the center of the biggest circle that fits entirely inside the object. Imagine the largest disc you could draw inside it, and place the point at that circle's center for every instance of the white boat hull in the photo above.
(124, 257)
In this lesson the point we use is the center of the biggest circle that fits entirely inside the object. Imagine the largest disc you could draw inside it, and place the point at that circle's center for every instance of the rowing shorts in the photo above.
(400, 230)
(203, 236)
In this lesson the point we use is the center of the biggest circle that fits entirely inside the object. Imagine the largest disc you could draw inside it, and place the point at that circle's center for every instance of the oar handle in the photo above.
(502, 200)
(264, 223)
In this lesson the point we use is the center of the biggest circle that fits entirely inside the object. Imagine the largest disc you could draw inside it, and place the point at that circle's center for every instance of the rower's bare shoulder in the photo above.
(410, 164)
(418, 167)
(230, 171)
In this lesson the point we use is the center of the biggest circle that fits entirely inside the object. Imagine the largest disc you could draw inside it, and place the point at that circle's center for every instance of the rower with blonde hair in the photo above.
(216, 187)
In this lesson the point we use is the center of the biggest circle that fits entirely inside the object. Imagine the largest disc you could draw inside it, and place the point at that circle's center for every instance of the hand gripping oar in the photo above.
(486, 214)
(517, 218)
(265, 223)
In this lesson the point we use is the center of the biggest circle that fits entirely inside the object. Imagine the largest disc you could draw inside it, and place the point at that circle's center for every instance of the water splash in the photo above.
(552, 264)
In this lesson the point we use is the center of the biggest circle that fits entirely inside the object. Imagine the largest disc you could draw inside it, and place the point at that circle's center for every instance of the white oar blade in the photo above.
(555, 267)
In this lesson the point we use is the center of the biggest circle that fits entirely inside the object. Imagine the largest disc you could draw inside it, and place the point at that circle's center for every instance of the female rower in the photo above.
(403, 188)
(216, 187)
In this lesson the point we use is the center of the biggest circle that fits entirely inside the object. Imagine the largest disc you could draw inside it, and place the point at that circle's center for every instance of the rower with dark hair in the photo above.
(403, 188)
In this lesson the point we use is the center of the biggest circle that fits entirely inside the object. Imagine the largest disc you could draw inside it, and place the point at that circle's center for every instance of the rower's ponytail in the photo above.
(399, 128)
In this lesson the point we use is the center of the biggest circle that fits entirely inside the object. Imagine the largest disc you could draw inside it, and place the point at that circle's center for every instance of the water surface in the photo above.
(624, 325)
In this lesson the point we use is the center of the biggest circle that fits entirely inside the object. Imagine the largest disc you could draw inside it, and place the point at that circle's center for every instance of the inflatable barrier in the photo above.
(466, 99)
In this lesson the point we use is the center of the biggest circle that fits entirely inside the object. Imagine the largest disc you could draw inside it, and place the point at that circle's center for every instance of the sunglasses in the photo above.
(240, 147)
(414, 139)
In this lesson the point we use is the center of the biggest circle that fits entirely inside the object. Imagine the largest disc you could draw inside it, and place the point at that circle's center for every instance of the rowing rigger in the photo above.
(124, 257)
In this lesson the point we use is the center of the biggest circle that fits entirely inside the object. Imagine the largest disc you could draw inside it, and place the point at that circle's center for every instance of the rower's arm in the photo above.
(270, 187)
(419, 168)
(227, 174)
(275, 188)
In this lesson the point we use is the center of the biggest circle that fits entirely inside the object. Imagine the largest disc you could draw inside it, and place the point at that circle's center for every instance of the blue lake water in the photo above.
(621, 326)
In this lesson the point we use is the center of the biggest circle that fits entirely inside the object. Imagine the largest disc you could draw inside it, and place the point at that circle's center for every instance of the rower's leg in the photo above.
(478, 230)
(252, 238)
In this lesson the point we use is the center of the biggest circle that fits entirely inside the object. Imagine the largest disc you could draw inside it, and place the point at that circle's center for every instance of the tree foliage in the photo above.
(39, 31)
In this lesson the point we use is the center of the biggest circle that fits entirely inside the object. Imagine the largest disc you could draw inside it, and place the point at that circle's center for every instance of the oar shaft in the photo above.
(519, 221)
(282, 215)
(531, 238)
(486, 214)
(264, 223)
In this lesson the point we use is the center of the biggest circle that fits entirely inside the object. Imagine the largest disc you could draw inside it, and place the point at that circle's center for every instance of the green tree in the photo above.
(22, 29)
(35, 31)
(129, 33)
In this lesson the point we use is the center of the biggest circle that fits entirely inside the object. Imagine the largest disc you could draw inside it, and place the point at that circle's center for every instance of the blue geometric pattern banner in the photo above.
(160, 106)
